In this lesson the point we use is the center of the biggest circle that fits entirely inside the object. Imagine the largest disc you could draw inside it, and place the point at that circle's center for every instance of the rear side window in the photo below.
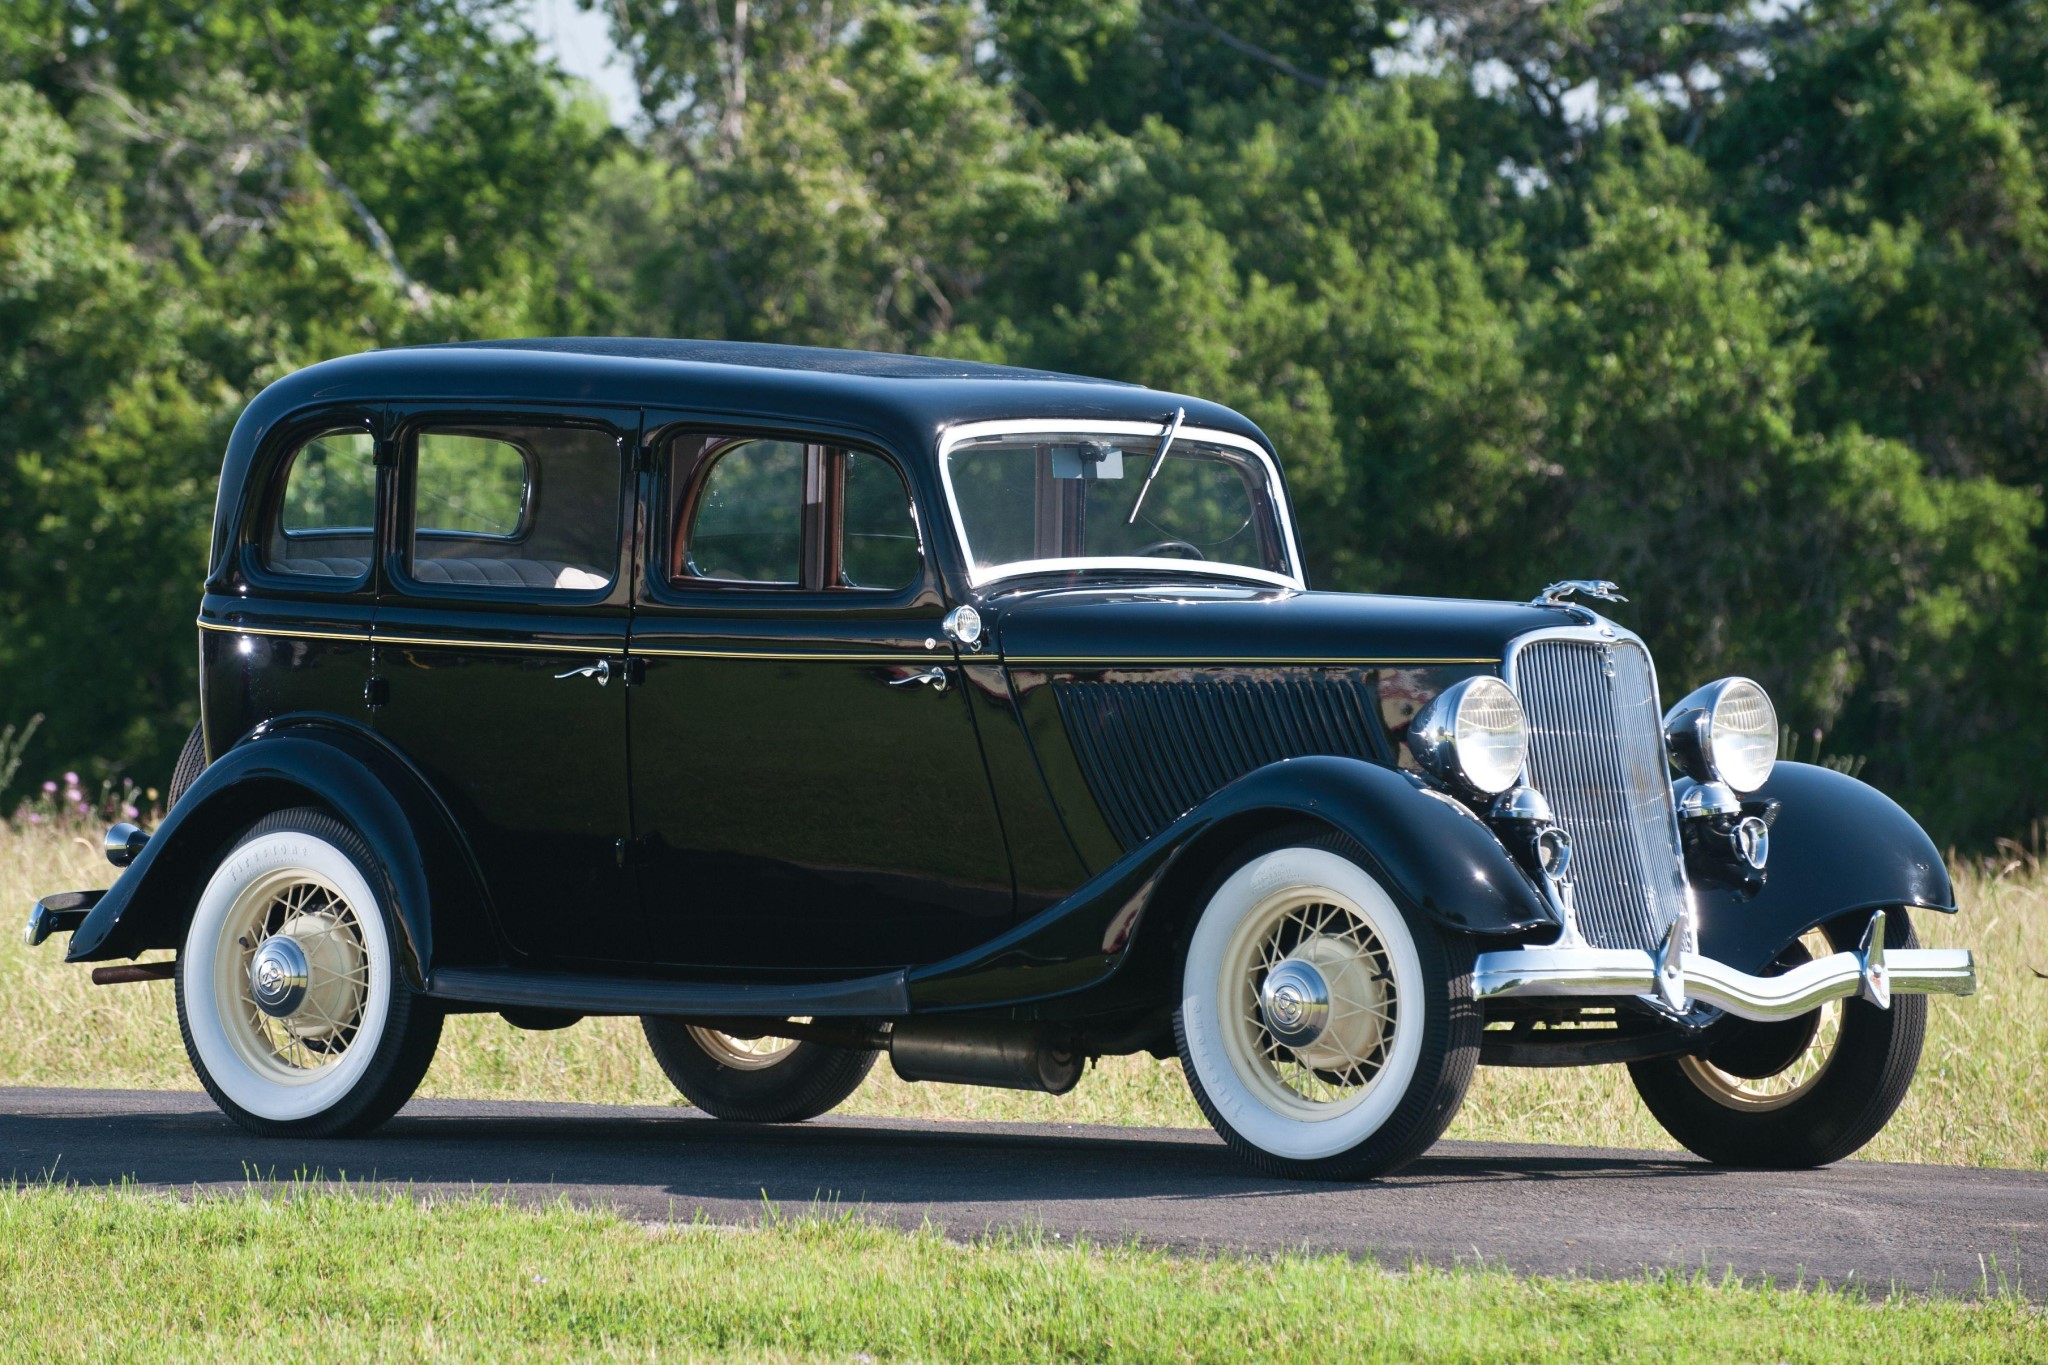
(472, 485)
(322, 525)
(524, 508)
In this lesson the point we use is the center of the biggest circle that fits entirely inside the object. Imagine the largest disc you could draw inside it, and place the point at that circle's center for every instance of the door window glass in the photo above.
(324, 519)
(471, 485)
(524, 508)
(878, 544)
(747, 525)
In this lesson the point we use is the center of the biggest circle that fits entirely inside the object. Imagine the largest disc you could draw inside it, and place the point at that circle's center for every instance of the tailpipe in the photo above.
(1009, 1056)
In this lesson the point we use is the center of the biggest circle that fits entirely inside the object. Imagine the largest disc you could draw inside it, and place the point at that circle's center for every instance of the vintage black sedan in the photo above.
(814, 705)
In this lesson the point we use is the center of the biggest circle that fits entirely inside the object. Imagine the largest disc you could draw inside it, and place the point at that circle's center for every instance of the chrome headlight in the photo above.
(1725, 732)
(1472, 736)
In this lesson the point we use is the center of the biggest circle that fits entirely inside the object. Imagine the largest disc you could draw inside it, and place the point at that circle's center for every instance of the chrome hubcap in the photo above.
(278, 976)
(1295, 1003)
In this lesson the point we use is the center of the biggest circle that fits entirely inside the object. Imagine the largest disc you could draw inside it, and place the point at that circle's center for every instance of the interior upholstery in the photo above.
(467, 572)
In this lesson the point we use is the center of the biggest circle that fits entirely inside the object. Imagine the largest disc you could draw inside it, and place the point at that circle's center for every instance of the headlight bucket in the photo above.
(1472, 736)
(1726, 732)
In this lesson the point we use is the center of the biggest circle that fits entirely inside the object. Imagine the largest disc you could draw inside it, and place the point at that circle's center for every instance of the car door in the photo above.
(808, 787)
(499, 655)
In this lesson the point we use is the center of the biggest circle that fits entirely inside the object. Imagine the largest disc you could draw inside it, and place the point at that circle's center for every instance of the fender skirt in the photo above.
(1838, 847)
(1433, 856)
(278, 766)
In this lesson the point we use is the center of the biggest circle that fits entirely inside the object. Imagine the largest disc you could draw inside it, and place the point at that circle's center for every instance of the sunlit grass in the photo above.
(1981, 1097)
(300, 1274)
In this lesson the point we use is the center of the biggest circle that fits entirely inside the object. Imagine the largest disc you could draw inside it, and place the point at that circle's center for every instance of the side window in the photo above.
(472, 485)
(322, 526)
(788, 514)
(878, 532)
(520, 507)
(747, 523)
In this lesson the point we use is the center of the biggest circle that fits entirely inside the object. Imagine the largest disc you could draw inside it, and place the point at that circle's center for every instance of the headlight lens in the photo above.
(1725, 732)
(1473, 735)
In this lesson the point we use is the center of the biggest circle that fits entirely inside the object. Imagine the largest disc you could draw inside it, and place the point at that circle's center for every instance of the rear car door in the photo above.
(500, 655)
(808, 786)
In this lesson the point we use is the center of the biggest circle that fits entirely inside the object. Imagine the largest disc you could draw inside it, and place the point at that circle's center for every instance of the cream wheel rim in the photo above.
(1319, 936)
(304, 907)
(1760, 1094)
(743, 1054)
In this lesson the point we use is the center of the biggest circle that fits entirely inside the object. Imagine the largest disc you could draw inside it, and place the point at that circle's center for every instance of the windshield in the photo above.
(1029, 502)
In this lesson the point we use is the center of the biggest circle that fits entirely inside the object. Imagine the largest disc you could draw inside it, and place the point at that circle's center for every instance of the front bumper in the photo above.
(1676, 977)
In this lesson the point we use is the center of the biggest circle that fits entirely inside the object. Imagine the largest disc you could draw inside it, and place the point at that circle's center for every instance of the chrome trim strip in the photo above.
(1606, 972)
(968, 431)
(282, 634)
(532, 646)
(1327, 661)
(801, 656)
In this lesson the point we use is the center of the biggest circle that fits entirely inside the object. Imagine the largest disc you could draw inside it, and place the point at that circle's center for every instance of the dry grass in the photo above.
(1981, 1098)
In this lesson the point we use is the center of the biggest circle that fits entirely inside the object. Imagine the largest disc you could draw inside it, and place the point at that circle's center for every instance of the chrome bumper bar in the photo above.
(1677, 976)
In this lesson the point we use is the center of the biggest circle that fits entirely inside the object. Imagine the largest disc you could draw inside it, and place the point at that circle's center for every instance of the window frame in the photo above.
(269, 478)
(407, 425)
(681, 480)
(981, 578)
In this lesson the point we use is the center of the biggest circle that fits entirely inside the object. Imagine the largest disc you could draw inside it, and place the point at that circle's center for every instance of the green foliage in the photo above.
(1745, 306)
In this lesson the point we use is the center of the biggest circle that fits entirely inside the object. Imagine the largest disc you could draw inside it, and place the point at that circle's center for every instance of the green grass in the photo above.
(1981, 1097)
(319, 1276)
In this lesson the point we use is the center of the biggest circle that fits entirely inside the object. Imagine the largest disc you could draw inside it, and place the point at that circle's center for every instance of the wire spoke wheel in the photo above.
(744, 1053)
(1318, 937)
(298, 905)
(1797, 1092)
(289, 1000)
(1805, 1068)
(1325, 1032)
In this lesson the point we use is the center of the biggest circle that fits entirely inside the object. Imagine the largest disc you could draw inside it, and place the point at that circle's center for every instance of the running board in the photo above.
(884, 995)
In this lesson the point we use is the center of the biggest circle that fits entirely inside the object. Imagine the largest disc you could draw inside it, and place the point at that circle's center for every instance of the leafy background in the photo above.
(1741, 305)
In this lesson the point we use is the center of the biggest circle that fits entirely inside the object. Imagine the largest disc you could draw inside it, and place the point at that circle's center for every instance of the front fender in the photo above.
(282, 764)
(1838, 847)
(1434, 857)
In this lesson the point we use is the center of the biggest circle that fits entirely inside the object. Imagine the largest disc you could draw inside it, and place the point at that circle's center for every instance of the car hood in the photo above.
(1220, 624)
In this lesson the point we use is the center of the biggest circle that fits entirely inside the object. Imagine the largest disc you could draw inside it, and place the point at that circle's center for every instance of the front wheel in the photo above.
(1803, 1092)
(291, 1006)
(755, 1079)
(1325, 1034)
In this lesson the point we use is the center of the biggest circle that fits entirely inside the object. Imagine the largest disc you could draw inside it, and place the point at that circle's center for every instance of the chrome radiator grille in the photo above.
(1596, 751)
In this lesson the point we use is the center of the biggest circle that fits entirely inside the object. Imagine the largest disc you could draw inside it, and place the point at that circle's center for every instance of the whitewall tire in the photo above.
(1325, 1033)
(293, 1011)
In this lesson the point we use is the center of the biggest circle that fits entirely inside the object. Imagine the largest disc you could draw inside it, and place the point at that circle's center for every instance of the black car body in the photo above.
(681, 680)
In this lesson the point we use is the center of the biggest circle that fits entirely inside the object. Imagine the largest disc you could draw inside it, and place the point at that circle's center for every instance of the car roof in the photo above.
(904, 402)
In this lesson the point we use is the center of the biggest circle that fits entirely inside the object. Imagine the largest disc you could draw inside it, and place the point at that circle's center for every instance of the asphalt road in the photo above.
(1535, 1209)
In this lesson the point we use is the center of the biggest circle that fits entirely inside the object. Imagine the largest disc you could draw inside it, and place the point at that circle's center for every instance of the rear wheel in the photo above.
(1325, 1034)
(755, 1079)
(1804, 1092)
(191, 763)
(289, 998)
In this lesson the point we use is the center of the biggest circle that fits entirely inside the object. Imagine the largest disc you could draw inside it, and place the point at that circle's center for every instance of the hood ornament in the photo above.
(1559, 593)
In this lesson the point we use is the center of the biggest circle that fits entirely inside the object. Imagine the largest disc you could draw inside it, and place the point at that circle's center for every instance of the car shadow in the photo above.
(655, 1154)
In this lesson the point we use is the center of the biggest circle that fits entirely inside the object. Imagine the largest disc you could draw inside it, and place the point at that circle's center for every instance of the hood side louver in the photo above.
(1152, 751)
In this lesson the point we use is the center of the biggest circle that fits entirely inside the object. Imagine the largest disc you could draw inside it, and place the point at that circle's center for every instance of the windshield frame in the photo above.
(955, 437)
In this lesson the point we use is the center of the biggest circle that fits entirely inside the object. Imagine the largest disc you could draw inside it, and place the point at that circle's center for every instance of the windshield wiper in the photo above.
(1165, 444)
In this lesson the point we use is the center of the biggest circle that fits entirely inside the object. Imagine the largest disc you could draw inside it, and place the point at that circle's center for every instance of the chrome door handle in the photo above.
(601, 670)
(935, 676)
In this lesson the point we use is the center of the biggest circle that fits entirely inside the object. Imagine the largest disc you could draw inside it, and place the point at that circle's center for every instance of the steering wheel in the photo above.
(1171, 543)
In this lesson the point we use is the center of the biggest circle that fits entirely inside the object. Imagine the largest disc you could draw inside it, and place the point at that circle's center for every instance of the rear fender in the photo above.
(424, 873)
(1435, 858)
(1839, 847)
